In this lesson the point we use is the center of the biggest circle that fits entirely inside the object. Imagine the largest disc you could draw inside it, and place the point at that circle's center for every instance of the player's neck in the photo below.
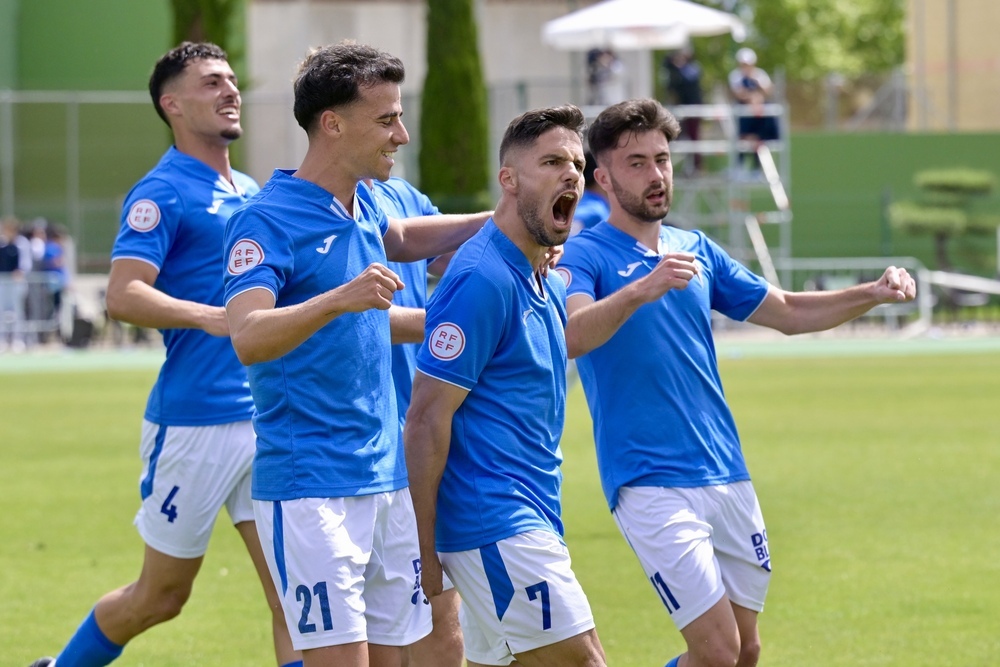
(215, 155)
(329, 174)
(506, 218)
(646, 233)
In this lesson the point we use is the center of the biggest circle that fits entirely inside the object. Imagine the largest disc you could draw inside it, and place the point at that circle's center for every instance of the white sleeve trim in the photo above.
(440, 379)
(252, 287)
(138, 259)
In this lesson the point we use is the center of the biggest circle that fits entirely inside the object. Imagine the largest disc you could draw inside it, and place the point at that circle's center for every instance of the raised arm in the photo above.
(802, 312)
(591, 324)
(427, 438)
(132, 298)
(261, 332)
(411, 239)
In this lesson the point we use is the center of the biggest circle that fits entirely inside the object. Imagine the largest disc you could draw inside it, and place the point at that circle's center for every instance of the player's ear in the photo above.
(169, 104)
(508, 178)
(603, 178)
(331, 123)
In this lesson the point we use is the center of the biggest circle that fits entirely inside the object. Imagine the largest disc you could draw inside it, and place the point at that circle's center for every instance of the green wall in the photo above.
(92, 45)
(839, 182)
(8, 43)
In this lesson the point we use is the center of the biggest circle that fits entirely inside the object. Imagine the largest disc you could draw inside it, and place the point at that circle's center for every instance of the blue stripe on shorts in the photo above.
(501, 586)
(146, 487)
(278, 543)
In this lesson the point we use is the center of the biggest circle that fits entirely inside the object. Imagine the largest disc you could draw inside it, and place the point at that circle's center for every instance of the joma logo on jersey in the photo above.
(759, 541)
(446, 341)
(627, 271)
(245, 255)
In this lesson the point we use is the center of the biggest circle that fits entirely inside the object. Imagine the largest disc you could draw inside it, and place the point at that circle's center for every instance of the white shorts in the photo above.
(697, 545)
(518, 594)
(188, 474)
(347, 569)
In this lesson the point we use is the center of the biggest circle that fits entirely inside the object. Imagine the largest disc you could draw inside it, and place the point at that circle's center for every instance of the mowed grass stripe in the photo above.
(877, 475)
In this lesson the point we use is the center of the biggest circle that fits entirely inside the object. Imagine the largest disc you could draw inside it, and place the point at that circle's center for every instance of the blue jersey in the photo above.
(174, 219)
(494, 330)
(399, 199)
(326, 417)
(660, 416)
(591, 209)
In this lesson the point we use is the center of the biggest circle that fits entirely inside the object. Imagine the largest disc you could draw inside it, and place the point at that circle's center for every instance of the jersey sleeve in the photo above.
(578, 269)
(259, 253)
(151, 216)
(466, 319)
(422, 202)
(736, 290)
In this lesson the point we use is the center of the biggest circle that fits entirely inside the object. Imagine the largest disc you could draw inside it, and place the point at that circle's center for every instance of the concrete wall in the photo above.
(953, 59)
(519, 70)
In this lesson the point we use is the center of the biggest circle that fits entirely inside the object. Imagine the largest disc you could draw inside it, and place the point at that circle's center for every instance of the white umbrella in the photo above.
(639, 24)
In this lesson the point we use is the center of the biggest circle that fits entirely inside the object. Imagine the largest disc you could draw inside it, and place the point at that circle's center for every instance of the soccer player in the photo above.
(640, 296)
(307, 296)
(482, 434)
(399, 199)
(197, 439)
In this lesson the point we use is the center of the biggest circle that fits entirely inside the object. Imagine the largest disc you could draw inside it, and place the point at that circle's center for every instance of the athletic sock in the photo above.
(89, 647)
(297, 663)
(673, 663)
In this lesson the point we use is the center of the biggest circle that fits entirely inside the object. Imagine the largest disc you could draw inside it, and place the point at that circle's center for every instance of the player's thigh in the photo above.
(583, 650)
(397, 612)
(342, 571)
(189, 473)
(670, 532)
(518, 594)
(741, 547)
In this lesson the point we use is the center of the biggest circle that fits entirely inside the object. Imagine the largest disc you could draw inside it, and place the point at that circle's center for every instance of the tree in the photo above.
(948, 207)
(454, 127)
(206, 21)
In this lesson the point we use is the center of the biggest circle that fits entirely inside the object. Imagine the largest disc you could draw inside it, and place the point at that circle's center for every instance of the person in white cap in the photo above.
(751, 86)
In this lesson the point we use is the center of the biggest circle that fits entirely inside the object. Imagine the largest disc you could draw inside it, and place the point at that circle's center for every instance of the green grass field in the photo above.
(877, 471)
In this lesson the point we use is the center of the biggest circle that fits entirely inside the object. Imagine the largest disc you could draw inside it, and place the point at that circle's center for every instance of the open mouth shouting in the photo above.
(563, 209)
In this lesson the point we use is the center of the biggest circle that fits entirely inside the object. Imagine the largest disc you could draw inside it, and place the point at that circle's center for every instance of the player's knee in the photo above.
(716, 654)
(167, 605)
(749, 653)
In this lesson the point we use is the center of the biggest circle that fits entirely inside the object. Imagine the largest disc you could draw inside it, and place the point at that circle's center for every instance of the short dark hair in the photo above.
(526, 128)
(172, 63)
(333, 76)
(632, 116)
(590, 166)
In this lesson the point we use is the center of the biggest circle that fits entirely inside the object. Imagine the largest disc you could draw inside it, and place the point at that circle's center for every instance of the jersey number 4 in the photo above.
(168, 506)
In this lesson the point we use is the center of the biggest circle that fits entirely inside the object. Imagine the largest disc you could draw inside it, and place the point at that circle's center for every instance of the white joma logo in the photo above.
(328, 241)
(214, 208)
(629, 269)
(525, 315)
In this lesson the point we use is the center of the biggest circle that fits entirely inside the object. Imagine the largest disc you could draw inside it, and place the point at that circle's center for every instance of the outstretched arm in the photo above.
(802, 312)
(427, 438)
(412, 239)
(132, 298)
(261, 332)
(591, 324)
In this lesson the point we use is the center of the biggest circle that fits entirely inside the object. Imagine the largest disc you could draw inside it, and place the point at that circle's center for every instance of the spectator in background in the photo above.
(750, 85)
(683, 88)
(15, 263)
(606, 77)
(53, 263)
(593, 207)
